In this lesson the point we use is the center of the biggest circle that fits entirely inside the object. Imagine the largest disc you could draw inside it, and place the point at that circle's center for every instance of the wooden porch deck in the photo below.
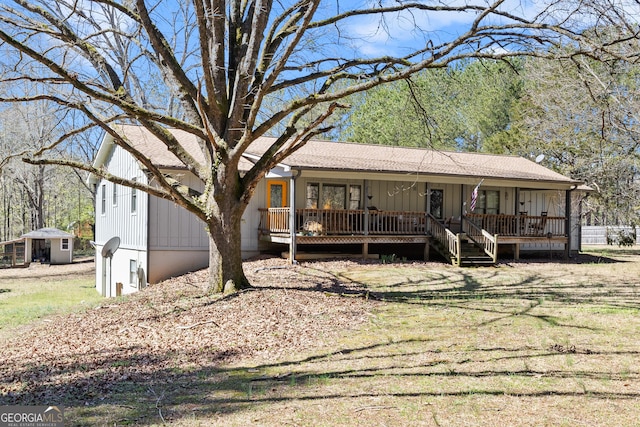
(342, 222)
(350, 222)
(348, 226)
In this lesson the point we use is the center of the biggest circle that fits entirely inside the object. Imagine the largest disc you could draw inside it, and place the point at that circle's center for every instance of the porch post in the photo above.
(427, 206)
(365, 245)
(366, 207)
(462, 205)
(292, 218)
(517, 210)
(567, 223)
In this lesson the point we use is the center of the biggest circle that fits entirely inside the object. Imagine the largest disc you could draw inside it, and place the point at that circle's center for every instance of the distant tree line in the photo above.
(581, 115)
(38, 196)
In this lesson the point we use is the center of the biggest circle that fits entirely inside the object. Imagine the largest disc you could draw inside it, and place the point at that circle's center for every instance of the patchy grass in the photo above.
(530, 344)
(25, 298)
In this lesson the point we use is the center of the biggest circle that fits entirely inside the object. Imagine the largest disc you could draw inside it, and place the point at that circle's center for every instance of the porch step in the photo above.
(471, 255)
(476, 261)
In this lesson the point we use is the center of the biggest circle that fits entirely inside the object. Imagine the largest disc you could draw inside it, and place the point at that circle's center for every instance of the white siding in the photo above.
(59, 256)
(538, 201)
(118, 220)
(388, 196)
(552, 202)
(172, 263)
(173, 227)
(116, 270)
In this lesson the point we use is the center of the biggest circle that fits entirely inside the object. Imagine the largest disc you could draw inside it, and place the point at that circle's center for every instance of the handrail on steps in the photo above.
(445, 236)
(482, 237)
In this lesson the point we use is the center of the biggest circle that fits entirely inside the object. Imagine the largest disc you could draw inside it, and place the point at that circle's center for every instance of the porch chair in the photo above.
(537, 228)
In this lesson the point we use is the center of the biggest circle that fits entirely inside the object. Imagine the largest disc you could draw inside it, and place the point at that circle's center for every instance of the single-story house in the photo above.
(49, 245)
(329, 196)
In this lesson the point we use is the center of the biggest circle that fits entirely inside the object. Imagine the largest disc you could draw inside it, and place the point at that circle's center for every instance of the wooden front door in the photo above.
(276, 194)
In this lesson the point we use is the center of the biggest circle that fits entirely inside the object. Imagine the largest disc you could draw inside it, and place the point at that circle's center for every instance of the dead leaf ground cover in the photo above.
(346, 343)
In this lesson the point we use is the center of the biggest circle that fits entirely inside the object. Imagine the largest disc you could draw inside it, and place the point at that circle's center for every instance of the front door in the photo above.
(276, 194)
(278, 219)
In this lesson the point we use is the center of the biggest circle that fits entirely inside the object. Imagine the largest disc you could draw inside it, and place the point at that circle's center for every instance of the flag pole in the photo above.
(474, 196)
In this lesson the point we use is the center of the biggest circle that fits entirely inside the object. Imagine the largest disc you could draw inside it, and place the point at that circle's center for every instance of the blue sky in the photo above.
(400, 34)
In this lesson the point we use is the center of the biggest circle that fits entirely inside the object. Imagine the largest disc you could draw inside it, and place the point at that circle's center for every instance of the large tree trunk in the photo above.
(225, 257)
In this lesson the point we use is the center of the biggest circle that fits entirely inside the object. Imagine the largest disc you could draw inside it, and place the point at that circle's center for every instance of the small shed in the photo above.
(49, 245)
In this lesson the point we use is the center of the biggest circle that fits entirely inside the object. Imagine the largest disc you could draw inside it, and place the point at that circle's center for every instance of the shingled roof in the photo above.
(47, 233)
(340, 156)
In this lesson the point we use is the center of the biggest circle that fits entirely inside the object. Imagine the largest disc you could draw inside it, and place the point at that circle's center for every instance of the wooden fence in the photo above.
(12, 254)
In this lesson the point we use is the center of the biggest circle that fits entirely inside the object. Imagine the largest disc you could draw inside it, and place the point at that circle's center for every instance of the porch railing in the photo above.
(519, 225)
(361, 222)
(446, 238)
(488, 242)
(343, 221)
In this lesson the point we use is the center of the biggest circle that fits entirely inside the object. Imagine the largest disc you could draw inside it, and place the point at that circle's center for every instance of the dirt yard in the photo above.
(84, 265)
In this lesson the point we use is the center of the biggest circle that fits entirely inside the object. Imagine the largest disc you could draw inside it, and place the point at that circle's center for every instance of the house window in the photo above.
(133, 272)
(103, 199)
(355, 195)
(334, 196)
(134, 199)
(64, 244)
(488, 202)
(436, 203)
(115, 194)
(313, 193)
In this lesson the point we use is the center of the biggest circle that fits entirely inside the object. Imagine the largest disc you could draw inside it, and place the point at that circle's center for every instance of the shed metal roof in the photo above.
(47, 233)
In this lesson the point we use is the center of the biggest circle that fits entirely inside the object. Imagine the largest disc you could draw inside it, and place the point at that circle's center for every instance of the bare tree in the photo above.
(221, 61)
(42, 191)
(583, 116)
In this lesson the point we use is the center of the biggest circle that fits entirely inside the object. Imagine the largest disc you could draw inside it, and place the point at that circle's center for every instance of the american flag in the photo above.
(474, 196)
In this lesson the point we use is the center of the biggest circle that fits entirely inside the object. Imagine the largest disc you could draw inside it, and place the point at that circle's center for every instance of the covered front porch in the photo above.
(448, 236)
(343, 227)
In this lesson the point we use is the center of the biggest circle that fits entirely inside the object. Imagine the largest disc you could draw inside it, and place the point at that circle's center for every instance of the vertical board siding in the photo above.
(173, 227)
(118, 219)
(538, 201)
(386, 195)
(553, 202)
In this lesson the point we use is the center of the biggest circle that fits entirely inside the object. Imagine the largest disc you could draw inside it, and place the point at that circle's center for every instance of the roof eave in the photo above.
(567, 182)
(106, 146)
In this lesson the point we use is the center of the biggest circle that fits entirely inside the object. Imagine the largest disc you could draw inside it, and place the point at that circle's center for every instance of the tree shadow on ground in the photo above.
(119, 395)
(156, 387)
